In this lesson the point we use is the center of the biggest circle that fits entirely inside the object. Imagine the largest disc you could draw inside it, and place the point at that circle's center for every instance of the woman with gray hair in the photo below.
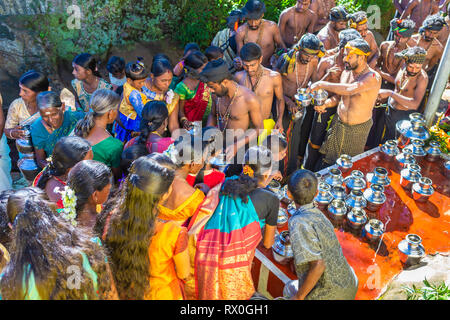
(103, 111)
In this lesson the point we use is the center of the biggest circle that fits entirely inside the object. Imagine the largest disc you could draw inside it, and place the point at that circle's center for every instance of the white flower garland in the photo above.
(69, 200)
(169, 96)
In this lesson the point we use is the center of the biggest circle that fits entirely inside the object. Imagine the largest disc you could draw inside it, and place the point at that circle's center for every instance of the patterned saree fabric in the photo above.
(225, 250)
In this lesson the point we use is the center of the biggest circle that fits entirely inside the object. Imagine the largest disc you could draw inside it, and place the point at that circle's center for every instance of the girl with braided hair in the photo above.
(43, 249)
(195, 96)
(133, 101)
(68, 151)
(155, 118)
(93, 128)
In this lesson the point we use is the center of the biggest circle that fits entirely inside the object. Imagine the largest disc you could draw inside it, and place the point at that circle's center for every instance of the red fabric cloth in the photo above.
(194, 109)
(211, 180)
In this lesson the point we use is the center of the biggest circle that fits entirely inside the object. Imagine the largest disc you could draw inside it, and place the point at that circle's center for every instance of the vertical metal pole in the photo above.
(440, 81)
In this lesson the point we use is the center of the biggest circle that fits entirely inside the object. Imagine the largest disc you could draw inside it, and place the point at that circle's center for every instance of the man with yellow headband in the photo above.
(358, 90)
(410, 86)
(358, 21)
(297, 68)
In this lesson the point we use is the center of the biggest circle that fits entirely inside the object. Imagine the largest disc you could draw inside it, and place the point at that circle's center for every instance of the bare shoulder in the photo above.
(249, 96)
(416, 37)
(311, 14)
(239, 75)
(423, 76)
(241, 29)
(437, 44)
(286, 11)
(326, 62)
(273, 74)
(373, 77)
(385, 44)
(270, 25)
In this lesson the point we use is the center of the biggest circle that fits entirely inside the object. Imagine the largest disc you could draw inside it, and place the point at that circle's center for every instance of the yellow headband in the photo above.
(319, 53)
(356, 51)
(353, 24)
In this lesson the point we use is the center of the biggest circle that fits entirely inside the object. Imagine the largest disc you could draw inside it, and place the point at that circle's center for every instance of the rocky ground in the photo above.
(434, 268)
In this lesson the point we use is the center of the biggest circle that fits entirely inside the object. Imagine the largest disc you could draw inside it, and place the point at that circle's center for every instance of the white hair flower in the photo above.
(169, 96)
(69, 200)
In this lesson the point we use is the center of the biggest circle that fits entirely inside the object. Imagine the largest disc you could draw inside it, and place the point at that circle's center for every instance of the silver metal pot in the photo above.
(320, 96)
(404, 158)
(373, 230)
(337, 209)
(355, 181)
(422, 190)
(338, 192)
(411, 250)
(344, 163)
(355, 200)
(29, 168)
(25, 145)
(283, 217)
(324, 196)
(220, 162)
(378, 176)
(409, 176)
(291, 208)
(433, 152)
(334, 177)
(375, 197)
(389, 150)
(417, 148)
(274, 186)
(414, 128)
(302, 100)
(281, 249)
(356, 218)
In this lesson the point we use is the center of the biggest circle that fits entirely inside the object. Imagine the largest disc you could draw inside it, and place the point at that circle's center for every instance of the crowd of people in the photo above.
(131, 203)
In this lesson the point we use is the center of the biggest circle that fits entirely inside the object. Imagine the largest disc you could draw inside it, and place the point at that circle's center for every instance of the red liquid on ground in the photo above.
(378, 263)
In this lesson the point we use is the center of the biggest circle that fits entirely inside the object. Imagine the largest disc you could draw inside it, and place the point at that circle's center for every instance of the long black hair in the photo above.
(132, 228)
(87, 61)
(102, 101)
(86, 177)
(35, 81)
(259, 159)
(47, 246)
(193, 61)
(4, 219)
(160, 67)
(67, 152)
(154, 114)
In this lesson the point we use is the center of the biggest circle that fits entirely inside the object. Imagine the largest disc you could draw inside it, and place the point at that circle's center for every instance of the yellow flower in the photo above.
(248, 171)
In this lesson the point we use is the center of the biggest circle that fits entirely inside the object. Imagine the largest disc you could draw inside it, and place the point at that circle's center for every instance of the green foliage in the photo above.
(104, 23)
(428, 292)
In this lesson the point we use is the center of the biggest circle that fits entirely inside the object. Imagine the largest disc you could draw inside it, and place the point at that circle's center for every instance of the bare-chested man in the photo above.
(419, 10)
(322, 10)
(358, 21)
(358, 89)
(295, 21)
(329, 69)
(258, 30)
(297, 68)
(236, 108)
(426, 39)
(388, 64)
(400, 5)
(265, 83)
(329, 35)
(410, 86)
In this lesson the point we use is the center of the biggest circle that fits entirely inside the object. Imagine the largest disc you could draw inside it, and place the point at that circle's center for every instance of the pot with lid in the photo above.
(417, 148)
(404, 158)
(373, 230)
(411, 250)
(414, 128)
(338, 192)
(375, 197)
(281, 249)
(433, 152)
(355, 181)
(389, 150)
(283, 217)
(409, 176)
(334, 177)
(320, 96)
(303, 100)
(25, 144)
(422, 190)
(378, 176)
(337, 209)
(355, 200)
(324, 196)
(344, 163)
(356, 218)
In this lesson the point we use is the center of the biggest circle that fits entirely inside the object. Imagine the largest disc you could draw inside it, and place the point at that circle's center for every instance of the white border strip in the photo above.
(354, 159)
(273, 268)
